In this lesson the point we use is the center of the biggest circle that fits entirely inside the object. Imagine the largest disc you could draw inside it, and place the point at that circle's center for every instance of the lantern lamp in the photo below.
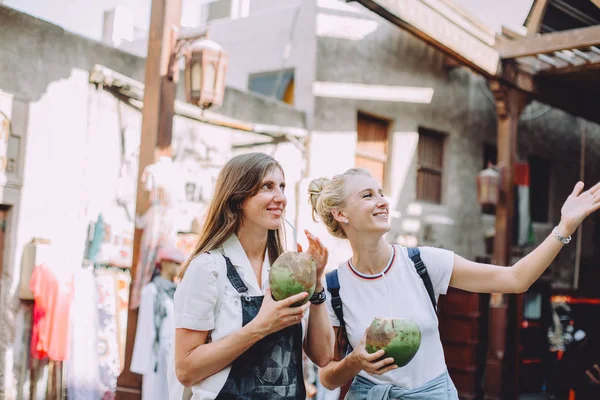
(205, 66)
(488, 186)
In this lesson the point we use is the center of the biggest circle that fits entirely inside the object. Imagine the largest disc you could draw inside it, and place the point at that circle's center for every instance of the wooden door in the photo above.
(463, 325)
(372, 146)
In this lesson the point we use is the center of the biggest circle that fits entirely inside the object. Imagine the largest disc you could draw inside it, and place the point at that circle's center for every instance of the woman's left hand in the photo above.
(318, 251)
(578, 206)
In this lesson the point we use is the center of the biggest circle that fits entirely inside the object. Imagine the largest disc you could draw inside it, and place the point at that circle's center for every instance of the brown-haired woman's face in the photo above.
(265, 209)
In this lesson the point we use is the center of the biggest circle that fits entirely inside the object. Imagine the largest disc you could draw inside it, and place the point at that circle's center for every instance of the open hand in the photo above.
(578, 206)
(371, 363)
(318, 251)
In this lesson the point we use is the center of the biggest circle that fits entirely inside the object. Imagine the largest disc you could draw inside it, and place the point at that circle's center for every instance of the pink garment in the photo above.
(50, 332)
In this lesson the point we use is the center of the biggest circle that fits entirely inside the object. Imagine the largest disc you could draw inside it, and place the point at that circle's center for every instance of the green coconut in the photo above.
(400, 338)
(293, 273)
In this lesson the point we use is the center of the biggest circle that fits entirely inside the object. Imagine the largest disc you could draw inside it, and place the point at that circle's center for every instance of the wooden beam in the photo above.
(454, 37)
(510, 103)
(157, 126)
(582, 67)
(550, 42)
(546, 88)
(536, 15)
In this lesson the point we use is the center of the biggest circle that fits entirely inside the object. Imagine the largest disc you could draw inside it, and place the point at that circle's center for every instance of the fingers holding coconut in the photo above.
(374, 363)
(289, 315)
(383, 366)
(294, 300)
(274, 315)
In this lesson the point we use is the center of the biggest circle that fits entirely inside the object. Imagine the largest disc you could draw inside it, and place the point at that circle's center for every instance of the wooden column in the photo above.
(509, 105)
(157, 126)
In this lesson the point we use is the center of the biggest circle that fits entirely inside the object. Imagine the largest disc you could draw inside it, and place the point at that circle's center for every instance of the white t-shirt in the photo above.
(205, 300)
(399, 293)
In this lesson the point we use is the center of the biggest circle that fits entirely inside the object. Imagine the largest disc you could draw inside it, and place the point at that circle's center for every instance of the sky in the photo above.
(84, 17)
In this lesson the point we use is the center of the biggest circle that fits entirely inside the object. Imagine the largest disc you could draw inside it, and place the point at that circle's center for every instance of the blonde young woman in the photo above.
(381, 281)
(232, 340)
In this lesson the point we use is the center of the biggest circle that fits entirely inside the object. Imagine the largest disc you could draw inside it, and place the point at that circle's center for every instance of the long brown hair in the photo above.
(239, 179)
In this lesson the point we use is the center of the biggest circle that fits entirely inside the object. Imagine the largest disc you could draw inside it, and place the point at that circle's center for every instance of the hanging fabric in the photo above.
(154, 338)
(52, 305)
(523, 235)
(82, 367)
(108, 346)
(166, 192)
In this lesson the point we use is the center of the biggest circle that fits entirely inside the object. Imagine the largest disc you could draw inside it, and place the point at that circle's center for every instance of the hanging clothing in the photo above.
(108, 345)
(52, 304)
(166, 193)
(83, 374)
(154, 338)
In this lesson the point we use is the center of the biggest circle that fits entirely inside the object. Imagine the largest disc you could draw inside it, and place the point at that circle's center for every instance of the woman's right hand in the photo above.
(274, 316)
(371, 363)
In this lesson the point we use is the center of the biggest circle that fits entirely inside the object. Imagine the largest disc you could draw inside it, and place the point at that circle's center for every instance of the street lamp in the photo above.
(488, 186)
(205, 66)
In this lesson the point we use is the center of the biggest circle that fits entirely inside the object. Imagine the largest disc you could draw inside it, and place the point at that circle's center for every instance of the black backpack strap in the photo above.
(415, 256)
(333, 287)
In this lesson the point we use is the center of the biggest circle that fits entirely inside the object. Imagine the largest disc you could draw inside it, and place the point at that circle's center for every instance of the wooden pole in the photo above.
(509, 105)
(157, 126)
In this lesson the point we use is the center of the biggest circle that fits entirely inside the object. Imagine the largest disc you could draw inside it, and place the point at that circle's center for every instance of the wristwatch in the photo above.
(559, 237)
(318, 298)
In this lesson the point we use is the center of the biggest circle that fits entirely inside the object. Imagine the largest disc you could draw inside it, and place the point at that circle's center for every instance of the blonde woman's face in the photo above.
(265, 209)
(366, 208)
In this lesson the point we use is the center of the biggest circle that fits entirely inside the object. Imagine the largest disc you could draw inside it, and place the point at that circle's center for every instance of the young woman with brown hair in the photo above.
(232, 340)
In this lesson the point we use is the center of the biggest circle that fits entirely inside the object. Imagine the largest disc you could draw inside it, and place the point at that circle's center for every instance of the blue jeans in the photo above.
(440, 388)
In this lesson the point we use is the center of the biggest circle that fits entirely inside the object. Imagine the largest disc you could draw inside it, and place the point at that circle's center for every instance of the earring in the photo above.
(346, 222)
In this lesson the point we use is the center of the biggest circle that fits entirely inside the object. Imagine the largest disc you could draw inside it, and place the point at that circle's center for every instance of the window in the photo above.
(539, 188)
(240, 8)
(233, 9)
(372, 145)
(277, 84)
(430, 163)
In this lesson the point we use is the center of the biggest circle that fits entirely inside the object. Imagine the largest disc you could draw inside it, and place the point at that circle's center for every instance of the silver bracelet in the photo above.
(559, 237)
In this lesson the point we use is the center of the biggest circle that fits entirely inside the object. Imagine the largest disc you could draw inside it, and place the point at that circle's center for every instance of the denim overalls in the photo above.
(272, 367)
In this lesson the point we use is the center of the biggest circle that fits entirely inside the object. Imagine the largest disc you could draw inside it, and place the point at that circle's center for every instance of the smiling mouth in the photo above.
(276, 211)
(382, 215)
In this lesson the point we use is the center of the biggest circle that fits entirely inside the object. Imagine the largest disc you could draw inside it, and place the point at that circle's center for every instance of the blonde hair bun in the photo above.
(325, 195)
(315, 188)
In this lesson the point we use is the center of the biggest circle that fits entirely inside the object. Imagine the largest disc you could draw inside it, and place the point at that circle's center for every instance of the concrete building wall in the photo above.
(272, 38)
(388, 73)
(77, 154)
